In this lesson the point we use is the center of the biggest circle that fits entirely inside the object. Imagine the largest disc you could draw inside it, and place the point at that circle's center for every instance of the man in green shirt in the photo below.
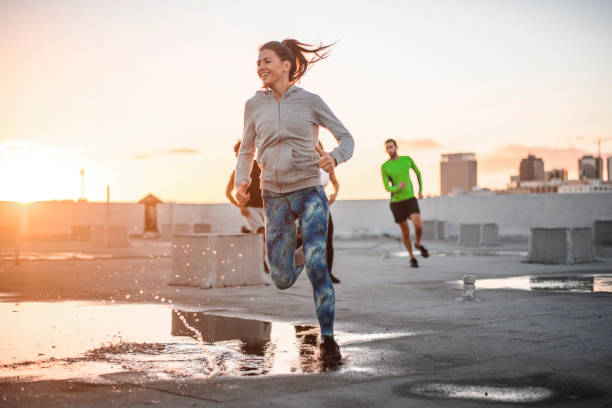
(404, 205)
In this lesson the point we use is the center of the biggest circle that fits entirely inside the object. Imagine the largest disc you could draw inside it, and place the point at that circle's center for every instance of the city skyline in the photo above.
(148, 97)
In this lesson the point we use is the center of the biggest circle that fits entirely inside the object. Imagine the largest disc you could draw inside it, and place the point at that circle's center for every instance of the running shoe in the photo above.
(424, 251)
(330, 352)
(414, 263)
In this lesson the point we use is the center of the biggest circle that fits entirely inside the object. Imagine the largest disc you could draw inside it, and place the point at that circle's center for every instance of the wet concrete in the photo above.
(85, 341)
(398, 328)
(463, 252)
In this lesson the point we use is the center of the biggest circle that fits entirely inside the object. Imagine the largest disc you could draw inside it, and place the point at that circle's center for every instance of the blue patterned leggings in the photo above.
(310, 207)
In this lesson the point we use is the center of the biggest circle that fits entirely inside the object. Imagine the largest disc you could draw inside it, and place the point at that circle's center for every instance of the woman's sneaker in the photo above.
(330, 352)
(414, 263)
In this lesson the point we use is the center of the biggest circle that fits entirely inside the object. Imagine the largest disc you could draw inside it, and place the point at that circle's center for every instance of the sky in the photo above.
(148, 96)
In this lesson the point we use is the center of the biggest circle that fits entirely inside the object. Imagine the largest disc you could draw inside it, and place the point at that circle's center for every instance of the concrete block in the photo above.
(561, 246)
(433, 230)
(582, 247)
(201, 228)
(117, 237)
(98, 238)
(549, 246)
(469, 234)
(603, 233)
(217, 260)
(429, 230)
(440, 230)
(166, 232)
(490, 235)
(182, 229)
(81, 232)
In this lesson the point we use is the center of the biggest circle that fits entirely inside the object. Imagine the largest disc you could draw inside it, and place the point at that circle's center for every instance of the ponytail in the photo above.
(295, 52)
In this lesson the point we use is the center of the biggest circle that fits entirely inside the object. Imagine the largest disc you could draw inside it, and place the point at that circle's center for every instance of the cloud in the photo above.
(181, 150)
(169, 152)
(141, 157)
(26, 146)
(418, 144)
(508, 158)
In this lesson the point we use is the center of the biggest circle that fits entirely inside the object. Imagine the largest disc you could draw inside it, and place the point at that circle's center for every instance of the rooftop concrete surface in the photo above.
(556, 340)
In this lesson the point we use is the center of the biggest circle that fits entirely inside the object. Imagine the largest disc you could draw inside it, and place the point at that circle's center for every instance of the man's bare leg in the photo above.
(418, 228)
(406, 237)
(418, 232)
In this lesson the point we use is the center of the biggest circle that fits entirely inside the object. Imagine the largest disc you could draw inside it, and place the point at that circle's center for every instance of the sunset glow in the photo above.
(149, 97)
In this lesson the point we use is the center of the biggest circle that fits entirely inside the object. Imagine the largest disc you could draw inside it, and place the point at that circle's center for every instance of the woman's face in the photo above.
(271, 69)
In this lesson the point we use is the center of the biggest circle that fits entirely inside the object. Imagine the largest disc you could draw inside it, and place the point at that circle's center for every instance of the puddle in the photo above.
(88, 340)
(55, 256)
(459, 252)
(582, 283)
(483, 392)
(536, 388)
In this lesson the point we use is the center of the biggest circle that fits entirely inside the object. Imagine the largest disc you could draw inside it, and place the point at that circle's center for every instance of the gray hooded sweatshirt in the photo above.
(285, 133)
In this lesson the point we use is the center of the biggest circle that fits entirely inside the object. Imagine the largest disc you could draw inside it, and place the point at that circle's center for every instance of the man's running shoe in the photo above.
(330, 352)
(424, 251)
(414, 263)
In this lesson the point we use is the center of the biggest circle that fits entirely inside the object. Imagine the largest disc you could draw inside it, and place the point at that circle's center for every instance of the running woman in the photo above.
(281, 124)
(404, 205)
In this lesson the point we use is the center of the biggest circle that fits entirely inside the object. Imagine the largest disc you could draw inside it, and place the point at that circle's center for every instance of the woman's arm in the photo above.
(334, 181)
(326, 118)
(230, 188)
(246, 154)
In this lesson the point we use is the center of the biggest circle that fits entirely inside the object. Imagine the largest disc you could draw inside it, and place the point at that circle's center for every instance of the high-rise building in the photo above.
(458, 173)
(556, 174)
(531, 169)
(609, 160)
(590, 167)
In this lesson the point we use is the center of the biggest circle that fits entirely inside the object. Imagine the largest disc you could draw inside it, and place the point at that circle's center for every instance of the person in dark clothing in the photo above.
(253, 210)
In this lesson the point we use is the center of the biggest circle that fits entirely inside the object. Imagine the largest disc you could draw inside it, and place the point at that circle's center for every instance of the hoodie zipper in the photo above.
(278, 147)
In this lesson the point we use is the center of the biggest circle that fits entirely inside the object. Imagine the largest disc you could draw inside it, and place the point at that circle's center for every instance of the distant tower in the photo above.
(82, 196)
(458, 173)
(531, 169)
(590, 167)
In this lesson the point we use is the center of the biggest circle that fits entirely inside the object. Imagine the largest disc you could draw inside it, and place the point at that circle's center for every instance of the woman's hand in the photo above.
(332, 198)
(326, 161)
(241, 194)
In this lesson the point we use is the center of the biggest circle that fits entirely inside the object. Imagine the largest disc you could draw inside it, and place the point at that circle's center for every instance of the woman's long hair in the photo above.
(296, 52)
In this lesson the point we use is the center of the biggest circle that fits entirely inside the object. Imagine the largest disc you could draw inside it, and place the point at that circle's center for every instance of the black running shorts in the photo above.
(403, 209)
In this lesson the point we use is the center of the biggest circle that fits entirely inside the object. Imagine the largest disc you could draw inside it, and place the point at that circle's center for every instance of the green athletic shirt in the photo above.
(396, 171)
